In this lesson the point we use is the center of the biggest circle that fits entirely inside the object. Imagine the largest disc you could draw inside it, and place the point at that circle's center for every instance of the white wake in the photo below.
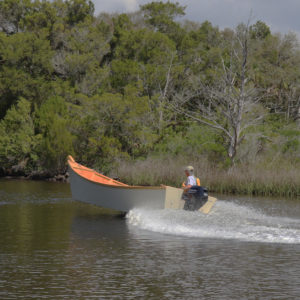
(226, 221)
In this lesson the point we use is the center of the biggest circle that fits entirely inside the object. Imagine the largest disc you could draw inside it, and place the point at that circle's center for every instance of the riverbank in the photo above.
(243, 180)
(42, 177)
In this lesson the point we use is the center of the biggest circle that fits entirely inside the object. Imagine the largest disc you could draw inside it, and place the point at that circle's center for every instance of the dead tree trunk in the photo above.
(230, 104)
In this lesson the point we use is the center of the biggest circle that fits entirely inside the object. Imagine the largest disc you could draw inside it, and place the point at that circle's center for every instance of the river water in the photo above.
(52, 247)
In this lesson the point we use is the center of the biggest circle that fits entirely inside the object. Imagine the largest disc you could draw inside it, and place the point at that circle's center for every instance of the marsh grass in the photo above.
(255, 179)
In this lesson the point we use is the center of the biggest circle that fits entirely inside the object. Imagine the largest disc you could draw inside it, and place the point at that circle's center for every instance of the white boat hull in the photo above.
(122, 199)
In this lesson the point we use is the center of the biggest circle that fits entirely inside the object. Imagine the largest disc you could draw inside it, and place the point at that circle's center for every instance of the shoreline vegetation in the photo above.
(246, 180)
(142, 94)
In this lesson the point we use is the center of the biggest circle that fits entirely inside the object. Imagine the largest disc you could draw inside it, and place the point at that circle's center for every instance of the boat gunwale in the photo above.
(135, 187)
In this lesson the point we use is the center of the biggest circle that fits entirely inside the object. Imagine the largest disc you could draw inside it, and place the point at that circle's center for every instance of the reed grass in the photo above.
(245, 180)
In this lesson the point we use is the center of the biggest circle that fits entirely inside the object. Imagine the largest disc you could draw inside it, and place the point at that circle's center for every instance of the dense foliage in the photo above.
(120, 87)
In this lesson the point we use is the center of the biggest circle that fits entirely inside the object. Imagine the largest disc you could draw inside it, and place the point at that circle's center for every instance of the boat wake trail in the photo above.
(226, 221)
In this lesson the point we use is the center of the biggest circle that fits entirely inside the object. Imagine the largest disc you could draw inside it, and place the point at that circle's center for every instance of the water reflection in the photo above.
(27, 225)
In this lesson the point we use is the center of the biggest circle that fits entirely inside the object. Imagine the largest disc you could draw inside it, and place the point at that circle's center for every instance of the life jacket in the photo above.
(197, 181)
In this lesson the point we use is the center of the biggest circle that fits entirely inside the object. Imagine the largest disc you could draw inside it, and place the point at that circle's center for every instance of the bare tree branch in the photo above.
(230, 103)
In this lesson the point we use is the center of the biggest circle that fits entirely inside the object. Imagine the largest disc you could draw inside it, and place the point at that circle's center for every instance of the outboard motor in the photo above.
(195, 198)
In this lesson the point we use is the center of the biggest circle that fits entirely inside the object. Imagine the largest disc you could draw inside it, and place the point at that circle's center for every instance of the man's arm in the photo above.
(186, 188)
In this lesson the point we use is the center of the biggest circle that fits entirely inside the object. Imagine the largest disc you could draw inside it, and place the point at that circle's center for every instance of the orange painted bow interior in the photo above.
(91, 174)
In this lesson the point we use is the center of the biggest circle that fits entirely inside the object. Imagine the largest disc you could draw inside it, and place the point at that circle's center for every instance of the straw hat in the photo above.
(189, 169)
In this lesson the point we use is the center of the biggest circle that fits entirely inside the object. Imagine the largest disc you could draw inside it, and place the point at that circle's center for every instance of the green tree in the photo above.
(81, 57)
(52, 121)
(42, 16)
(162, 16)
(259, 30)
(27, 51)
(275, 66)
(25, 68)
(12, 12)
(18, 142)
(200, 52)
(113, 126)
(79, 10)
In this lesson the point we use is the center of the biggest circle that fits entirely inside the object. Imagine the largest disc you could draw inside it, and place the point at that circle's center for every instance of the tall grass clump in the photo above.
(240, 179)
(254, 181)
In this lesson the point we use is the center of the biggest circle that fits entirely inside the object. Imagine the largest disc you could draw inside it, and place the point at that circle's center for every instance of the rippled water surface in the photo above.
(52, 247)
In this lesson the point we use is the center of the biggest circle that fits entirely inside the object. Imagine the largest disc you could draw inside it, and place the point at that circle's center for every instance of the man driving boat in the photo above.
(193, 194)
(190, 180)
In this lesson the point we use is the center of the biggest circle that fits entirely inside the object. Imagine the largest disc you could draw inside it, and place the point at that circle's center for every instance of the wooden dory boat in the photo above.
(91, 187)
